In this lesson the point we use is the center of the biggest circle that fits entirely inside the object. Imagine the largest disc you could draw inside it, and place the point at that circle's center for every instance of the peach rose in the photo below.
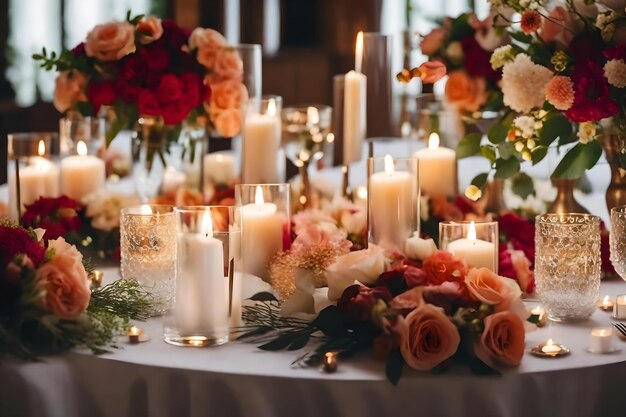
(227, 122)
(432, 71)
(521, 265)
(431, 43)
(209, 38)
(151, 29)
(560, 26)
(364, 266)
(111, 41)
(487, 287)
(465, 92)
(69, 89)
(228, 65)
(409, 300)
(502, 341)
(228, 94)
(443, 266)
(64, 281)
(428, 338)
(207, 56)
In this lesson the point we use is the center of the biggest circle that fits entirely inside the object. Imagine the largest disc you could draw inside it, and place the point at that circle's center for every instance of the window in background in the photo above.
(34, 24)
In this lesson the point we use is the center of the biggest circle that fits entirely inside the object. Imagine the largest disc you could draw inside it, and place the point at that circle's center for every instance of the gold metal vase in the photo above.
(564, 202)
(613, 144)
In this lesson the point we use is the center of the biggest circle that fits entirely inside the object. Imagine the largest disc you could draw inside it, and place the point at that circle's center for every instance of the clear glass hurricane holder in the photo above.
(567, 264)
(617, 239)
(476, 243)
(75, 128)
(208, 292)
(148, 250)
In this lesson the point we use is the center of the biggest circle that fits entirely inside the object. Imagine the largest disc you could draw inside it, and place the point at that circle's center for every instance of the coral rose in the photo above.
(465, 92)
(210, 38)
(432, 71)
(364, 266)
(228, 65)
(428, 338)
(409, 300)
(228, 94)
(151, 29)
(65, 281)
(502, 341)
(227, 122)
(442, 267)
(69, 89)
(432, 42)
(111, 41)
(487, 287)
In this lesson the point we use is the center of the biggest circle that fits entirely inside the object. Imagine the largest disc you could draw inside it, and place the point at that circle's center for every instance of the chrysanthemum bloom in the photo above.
(531, 21)
(560, 92)
(523, 84)
(615, 72)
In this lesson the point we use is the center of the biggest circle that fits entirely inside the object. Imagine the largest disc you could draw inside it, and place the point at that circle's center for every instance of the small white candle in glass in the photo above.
(81, 174)
(601, 340)
(620, 307)
(475, 252)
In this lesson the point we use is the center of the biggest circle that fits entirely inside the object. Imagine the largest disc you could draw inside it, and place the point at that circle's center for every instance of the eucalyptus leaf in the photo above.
(300, 342)
(506, 168)
(521, 37)
(468, 146)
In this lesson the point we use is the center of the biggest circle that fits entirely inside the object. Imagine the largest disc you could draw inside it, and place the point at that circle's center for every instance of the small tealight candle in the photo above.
(606, 304)
(620, 307)
(133, 334)
(601, 340)
(330, 362)
(551, 348)
(96, 278)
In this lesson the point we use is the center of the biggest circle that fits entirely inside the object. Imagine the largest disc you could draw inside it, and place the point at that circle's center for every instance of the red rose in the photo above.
(173, 35)
(442, 267)
(192, 87)
(134, 67)
(79, 49)
(477, 60)
(58, 216)
(127, 91)
(169, 89)
(148, 103)
(591, 94)
(357, 301)
(517, 228)
(101, 94)
(615, 52)
(15, 240)
(157, 59)
(174, 113)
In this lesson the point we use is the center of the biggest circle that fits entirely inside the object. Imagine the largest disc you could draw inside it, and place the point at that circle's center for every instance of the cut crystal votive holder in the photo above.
(208, 291)
(148, 250)
(617, 239)
(567, 264)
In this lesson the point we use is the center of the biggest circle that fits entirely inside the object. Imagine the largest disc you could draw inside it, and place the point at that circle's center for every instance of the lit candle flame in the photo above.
(471, 232)
(312, 115)
(433, 141)
(271, 107)
(134, 330)
(550, 342)
(606, 301)
(81, 148)
(258, 196)
(358, 52)
(206, 228)
(41, 148)
(361, 193)
(389, 169)
(219, 157)
(145, 210)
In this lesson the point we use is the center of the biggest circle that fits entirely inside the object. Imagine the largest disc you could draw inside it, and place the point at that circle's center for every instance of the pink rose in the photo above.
(487, 287)
(210, 38)
(150, 28)
(305, 218)
(409, 300)
(64, 281)
(465, 92)
(207, 56)
(428, 338)
(486, 34)
(111, 41)
(502, 341)
(432, 71)
(431, 43)
(443, 266)
(228, 65)
(69, 89)
(316, 235)
(228, 94)
(364, 266)
(560, 26)
(227, 122)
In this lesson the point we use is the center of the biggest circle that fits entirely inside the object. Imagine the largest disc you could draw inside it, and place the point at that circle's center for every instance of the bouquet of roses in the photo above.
(46, 305)
(93, 225)
(144, 67)
(563, 78)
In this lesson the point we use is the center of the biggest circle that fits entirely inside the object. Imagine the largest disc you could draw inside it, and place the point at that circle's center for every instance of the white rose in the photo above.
(364, 266)
(418, 248)
(354, 222)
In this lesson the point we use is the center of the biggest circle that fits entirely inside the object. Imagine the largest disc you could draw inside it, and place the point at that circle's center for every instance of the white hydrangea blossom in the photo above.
(524, 84)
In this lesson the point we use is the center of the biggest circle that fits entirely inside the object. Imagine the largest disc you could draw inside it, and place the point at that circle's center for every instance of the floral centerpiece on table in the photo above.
(46, 305)
(146, 67)
(562, 80)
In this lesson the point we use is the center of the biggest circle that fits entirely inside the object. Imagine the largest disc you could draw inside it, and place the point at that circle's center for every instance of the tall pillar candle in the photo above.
(261, 142)
(81, 174)
(438, 169)
(38, 179)
(354, 108)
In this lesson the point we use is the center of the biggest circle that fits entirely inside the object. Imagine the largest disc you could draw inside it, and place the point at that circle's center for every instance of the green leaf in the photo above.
(578, 159)
(489, 152)
(468, 146)
(114, 128)
(280, 343)
(523, 185)
(330, 322)
(263, 296)
(299, 342)
(538, 154)
(506, 150)
(521, 37)
(480, 180)
(555, 127)
(394, 366)
(497, 133)
(506, 168)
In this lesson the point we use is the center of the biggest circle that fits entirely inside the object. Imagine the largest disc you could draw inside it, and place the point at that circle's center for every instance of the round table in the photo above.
(237, 379)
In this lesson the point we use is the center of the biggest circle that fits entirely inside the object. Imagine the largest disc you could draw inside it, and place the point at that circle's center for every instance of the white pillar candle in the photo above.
(81, 174)
(437, 168)
(262, 235)
(172, 180)
(392, 205)
(601, 340)
(261, 142)
(201, 287)
(218, 168)
(620, 307)
(39, 179)
(354, 108)
(475, 252)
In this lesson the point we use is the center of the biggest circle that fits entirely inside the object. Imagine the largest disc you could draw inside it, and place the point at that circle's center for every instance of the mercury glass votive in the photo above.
(148, 250)
(476, 243)
(265, 226)
(393, 201)
(617, 239)
(208, 292)
(567, 264)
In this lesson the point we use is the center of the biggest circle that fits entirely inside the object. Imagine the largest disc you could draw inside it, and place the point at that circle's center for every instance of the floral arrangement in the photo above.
(563, 80)
(93, 224)
(46, 305)
(144, 67)
(422, 313)
(464, 44)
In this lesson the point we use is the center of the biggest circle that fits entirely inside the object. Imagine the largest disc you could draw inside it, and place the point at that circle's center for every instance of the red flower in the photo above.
(175, 112)
(192, 87)
(477, 60)
(616, 52)
(449, 296)
(15, 240)
(442, 267)
(531, 21)
(101, 94)
(357, 301)
(127, 91)
(520, 232)
(58, 216)
(591, 94)
(79, 49)
(134, 67)
(157, 59)
(169, 89)
(148, 103)
(173, 35)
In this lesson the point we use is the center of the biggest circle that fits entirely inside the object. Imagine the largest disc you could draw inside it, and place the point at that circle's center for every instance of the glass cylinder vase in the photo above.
(208, 252)
(393, 201)
(476, 243)
(567, 264)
